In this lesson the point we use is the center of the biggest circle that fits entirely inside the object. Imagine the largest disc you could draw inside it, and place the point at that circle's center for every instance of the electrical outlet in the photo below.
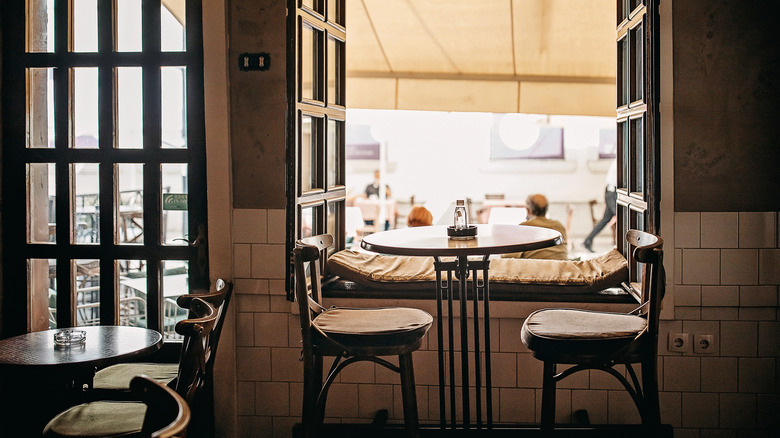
(679, 342)
(704, 343)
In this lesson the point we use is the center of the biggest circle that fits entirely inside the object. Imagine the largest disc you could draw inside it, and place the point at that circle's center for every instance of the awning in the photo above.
(503, 56)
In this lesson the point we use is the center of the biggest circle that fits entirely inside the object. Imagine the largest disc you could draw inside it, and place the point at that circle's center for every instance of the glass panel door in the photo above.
(316, 148)
(637, 118)
(102, 126)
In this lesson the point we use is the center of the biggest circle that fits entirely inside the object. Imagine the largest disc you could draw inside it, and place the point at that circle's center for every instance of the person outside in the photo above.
(372, 192)
(610, 209)
(373, 188)
(419, 216)
(537, 216)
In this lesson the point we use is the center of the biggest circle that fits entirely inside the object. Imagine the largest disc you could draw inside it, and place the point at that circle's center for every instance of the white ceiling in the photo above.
(530, 56)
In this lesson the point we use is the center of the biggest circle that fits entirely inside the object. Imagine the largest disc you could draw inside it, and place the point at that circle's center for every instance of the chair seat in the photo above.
(395, 330)
(555, 334)
(98, 419)
(119, 376)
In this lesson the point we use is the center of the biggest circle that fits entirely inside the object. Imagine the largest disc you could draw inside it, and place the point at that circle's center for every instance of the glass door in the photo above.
(316, 138)
(638, 129)
(104, 162)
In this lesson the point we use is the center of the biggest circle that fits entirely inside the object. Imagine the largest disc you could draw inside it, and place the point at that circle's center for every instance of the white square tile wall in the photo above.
(725, 283)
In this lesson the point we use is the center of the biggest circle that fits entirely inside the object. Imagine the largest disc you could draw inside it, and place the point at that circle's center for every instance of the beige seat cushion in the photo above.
(399, 272)
(554, 332)
(118, 376)
(385, 327)
(98, 419)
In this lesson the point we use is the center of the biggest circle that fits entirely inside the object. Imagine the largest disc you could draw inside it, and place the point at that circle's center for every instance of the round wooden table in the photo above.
(434, 241)
(40, 379)
(105, 345)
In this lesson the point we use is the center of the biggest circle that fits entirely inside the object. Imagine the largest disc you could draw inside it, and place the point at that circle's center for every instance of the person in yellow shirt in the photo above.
(537, 216)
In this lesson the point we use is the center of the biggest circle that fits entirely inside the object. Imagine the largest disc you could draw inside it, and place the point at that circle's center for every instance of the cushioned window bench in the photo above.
(364, 275)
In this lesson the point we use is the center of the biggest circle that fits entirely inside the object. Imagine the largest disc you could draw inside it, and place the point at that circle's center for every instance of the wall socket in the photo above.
(704, 343)
(679, 342)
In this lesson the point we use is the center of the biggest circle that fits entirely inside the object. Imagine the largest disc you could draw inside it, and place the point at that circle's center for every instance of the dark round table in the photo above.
(434, 241)
(105, 345)
(39, 379)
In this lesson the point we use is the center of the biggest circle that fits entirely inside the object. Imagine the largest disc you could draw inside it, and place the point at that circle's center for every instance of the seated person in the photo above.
(537, 211)
(419, 216)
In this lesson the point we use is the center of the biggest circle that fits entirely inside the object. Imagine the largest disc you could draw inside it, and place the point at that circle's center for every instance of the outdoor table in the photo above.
(434, 241)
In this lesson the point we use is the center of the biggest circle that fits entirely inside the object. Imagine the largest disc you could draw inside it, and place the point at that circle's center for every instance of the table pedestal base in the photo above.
(447, 274)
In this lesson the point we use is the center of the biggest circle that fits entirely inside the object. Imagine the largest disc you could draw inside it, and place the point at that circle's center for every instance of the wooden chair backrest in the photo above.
(192, 362)
(648, 250)
(167, 413)
(219, 298)
(309, 254)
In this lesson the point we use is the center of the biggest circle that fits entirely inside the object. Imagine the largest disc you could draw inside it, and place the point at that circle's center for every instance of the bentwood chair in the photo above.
(600, 340)
(120, 417)
(350, 335)
(165, 413)
(117, 377)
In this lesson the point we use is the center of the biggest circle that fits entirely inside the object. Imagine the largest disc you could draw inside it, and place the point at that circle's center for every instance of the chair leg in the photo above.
(409, 394)
(310, 392)
(548, 397)
(311, 418)
(651, 415)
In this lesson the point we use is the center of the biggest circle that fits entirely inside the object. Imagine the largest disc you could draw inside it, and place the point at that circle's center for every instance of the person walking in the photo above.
(610, 209)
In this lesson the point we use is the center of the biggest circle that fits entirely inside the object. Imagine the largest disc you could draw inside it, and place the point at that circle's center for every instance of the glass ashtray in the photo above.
(70, 337)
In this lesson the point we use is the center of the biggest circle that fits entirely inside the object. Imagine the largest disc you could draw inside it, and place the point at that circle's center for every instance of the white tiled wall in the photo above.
(727, 276)
(727, 285)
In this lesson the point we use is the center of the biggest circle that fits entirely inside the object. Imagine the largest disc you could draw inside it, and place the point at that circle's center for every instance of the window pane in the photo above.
(336, 11)
(84, 18)
(637, 155)
(40, 108)
(306, 154)
(310, 219)
(41, 226)
(310, 87)
(40, 25)
(85, 203)
(175, 204)
(335, 74)
(132, 292)
(174, 107)
(623, 146)
(86, 290)
(85, 107)
(130, 211)
(637, 64)
(335, 133)
(42, 290)
(175, 283)
(314, 5)
(623, 69)
(332, 226)
(172, 26)
(129, 130)
(128, 29)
